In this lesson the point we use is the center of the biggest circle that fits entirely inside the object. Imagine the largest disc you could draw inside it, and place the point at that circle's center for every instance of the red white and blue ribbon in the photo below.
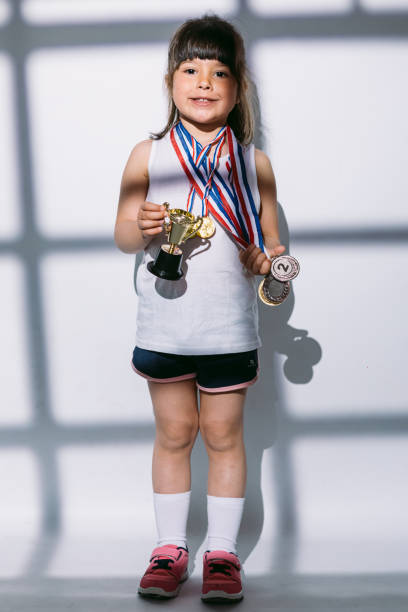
(230, 202)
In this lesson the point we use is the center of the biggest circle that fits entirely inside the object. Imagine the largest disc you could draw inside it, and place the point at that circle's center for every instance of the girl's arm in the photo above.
(137, 221)
(253, 258)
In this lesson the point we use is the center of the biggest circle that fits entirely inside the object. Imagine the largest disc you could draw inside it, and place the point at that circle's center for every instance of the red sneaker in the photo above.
(166, 571)
(221, 576)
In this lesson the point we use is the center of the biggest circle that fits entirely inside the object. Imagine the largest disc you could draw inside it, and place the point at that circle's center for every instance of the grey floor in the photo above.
(365, 593)
(93, 575)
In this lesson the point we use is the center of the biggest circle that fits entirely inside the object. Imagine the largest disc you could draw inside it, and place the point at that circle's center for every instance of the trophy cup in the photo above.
(180, 225)
(274, 288)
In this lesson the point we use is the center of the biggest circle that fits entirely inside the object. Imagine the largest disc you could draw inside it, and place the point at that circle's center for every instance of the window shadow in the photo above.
(266, 401)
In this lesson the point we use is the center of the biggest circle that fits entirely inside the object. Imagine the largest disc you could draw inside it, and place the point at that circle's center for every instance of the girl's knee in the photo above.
(219, 436)
(177, 435)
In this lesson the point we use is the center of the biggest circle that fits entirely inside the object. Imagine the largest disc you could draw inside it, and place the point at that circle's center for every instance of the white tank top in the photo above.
(213, 308)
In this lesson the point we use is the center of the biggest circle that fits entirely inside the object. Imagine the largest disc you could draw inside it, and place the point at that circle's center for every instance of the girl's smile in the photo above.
(205, 92)
(203, 101)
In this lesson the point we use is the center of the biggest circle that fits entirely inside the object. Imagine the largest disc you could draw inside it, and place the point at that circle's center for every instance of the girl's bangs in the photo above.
(214, 48)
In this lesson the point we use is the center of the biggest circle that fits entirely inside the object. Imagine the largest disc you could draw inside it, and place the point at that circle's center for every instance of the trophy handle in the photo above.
(194, 229)
(167, 222)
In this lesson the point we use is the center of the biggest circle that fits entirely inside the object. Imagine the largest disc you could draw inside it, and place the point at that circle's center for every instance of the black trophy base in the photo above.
(167, 265)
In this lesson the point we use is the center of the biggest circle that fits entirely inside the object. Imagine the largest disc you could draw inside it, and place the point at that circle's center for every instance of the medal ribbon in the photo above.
(231, 203)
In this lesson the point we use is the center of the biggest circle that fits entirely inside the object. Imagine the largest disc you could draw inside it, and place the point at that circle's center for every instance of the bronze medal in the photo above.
(273, 292)
(207, 228)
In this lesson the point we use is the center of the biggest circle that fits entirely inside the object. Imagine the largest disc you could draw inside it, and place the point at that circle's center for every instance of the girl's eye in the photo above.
(221, 73)
(189, 70)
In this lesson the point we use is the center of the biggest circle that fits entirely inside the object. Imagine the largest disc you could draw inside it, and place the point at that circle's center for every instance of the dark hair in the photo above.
(211, 37)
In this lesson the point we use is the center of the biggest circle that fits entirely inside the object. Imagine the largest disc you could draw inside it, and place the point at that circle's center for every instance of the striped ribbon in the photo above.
(230, 202)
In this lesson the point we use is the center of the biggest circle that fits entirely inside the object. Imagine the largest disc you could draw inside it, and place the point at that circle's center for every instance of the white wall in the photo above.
(326, 426)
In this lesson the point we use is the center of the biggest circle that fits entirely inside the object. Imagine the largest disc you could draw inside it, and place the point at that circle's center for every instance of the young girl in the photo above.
(200, 331)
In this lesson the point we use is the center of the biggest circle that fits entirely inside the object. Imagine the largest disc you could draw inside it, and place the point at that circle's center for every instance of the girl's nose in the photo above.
(204, 81)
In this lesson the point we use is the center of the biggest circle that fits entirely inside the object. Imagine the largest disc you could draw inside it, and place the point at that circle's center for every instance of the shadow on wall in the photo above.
(266, 401)
(265, 426)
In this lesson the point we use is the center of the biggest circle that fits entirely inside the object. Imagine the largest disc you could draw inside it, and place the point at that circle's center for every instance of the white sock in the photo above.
(171, 510)
(224, 519)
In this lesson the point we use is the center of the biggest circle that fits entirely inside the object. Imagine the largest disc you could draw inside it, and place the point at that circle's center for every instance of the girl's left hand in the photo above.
(255, 260)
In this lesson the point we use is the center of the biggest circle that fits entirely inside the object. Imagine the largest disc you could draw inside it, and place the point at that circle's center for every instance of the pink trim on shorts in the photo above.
(163, 380)
(231, 388)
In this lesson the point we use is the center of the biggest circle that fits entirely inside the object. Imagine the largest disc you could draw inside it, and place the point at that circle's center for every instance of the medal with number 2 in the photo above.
(274, 288)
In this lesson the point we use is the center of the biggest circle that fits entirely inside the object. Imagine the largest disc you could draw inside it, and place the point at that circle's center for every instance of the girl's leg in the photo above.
(221, 427)
(176, 415)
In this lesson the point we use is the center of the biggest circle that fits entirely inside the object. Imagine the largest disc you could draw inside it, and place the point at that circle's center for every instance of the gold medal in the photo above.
(207, 228)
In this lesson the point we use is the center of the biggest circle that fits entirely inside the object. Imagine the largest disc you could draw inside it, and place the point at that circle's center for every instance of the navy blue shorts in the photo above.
(214, 373)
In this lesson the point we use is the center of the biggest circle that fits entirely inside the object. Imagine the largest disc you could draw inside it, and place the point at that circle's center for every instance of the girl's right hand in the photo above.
(150, 219)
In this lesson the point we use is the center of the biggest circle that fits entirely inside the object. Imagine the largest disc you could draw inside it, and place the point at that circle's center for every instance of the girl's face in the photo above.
(205, 92)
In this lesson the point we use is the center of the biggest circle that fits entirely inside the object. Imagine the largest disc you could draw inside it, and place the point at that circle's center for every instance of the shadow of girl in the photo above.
(265, 413)
(266, 422)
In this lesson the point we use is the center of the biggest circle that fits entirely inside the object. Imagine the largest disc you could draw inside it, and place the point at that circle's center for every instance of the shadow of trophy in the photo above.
(274, 288)
(180, 225)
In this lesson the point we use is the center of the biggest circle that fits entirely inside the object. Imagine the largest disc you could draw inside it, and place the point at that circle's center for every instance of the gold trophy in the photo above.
(180, 225)
(274, 288)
